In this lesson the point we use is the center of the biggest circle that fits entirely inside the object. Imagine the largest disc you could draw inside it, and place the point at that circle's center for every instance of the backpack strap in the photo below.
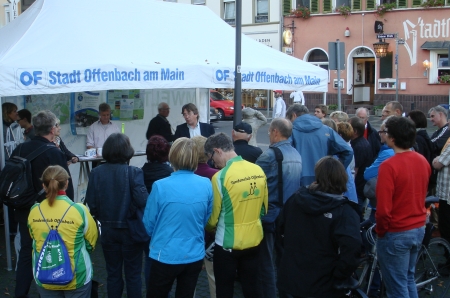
(35, 154)
(279, 158)
(39, 206)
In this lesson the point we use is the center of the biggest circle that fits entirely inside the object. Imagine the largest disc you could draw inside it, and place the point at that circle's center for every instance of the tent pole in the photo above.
(237, 82)
(5, 208)
(325, 98)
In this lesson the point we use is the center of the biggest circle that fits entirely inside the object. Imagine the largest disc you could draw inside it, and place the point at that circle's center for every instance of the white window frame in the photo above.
(318, 63)
(433, 71)
(199, 2)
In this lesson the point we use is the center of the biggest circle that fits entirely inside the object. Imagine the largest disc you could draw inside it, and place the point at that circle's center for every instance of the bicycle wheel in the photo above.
(433, 265)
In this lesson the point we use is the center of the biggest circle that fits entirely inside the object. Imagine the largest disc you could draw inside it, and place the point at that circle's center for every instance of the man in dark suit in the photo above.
(370, 134)
(159, 125)
(193, 127)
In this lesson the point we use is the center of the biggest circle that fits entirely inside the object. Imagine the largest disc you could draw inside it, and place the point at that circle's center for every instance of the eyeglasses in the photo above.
(211, 160)
(382, 131)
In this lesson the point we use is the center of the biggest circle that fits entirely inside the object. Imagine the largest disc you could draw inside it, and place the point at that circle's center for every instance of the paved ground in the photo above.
(7, 278)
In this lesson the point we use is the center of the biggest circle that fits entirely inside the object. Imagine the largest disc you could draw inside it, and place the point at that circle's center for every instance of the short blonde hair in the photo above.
(183, 155)
(200, 146)
(339, 116)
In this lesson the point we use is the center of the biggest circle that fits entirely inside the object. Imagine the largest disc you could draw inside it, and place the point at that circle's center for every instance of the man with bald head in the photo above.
(370, 134)
(291, 168)
(160, 125)
(392, 108)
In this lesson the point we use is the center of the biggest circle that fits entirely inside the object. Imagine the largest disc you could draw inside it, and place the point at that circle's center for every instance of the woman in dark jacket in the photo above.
(70, 157)
(322, 241)
(423, 141)
(112, 188)
(155, 168)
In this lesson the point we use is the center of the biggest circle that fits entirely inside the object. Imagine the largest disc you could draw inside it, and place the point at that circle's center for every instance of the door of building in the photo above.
(363, 80)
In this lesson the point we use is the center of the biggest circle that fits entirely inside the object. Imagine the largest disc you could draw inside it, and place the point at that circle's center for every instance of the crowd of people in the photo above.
(284, 221)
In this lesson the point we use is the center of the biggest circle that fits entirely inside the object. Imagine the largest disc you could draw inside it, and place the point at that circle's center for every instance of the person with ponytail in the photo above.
(78, 231)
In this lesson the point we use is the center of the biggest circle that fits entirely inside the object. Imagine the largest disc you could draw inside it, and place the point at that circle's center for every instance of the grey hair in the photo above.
(284, 126)
(297, 109)
(362, 109)
(439, 109)
(43, 122)
(396, 106)
(384, 121)
(161, 105)
(340, 116)
(218, 140)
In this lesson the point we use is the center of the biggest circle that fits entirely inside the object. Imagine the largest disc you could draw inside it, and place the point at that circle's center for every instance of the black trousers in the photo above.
(245, 262)
(444, 219)
(24, 273)
(163, 275)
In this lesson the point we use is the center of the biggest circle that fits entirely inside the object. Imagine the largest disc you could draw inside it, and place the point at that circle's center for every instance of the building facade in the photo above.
(415, 68)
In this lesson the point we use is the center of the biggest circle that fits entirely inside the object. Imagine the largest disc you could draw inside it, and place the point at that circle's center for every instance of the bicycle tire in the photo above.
(433, 265)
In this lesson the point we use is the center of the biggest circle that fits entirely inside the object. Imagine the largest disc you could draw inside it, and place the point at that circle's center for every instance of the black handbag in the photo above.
(134, 218)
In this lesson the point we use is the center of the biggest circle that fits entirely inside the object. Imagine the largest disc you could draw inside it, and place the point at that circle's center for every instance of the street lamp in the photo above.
(380, 48)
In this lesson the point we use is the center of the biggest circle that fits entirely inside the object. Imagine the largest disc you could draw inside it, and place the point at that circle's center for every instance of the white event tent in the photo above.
(64, 46)
(61, 46)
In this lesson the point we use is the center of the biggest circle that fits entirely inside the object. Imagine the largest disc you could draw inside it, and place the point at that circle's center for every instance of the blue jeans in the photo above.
(397, 254)
(121, 253)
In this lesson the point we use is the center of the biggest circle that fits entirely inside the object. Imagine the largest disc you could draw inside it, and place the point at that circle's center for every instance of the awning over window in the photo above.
(435, 45)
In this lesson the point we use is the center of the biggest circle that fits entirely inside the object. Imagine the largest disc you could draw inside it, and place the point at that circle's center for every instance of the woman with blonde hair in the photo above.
(175, 216)
(78, 231)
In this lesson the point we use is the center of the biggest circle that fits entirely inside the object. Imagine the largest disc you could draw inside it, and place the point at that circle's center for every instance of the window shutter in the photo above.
(314, 6)
(386, 66)
(327, 5)
(370, 4)
(402, 3)
(356, 5)
(417, 2)
(287, 7)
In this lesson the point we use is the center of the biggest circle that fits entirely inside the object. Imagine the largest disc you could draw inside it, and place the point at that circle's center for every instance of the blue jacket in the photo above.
(372, 171)
(313, 140)
(108, 194)
(175, 216)
(292, 170)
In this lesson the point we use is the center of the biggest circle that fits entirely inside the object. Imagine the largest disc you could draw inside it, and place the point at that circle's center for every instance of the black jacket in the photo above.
(66, 151)
(154, 171)
(322, 243)
(248, 152)
(159, 125)
(50, 157)
(424, 145)
(374, 140)
(183, 130)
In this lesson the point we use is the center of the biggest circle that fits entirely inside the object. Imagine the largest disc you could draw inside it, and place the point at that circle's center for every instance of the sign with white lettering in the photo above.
(385, 36)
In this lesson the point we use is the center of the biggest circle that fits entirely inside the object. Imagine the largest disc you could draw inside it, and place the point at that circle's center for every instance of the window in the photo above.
(199, 2)
(313, 5)
(443, 66)
(262, 11)
(353, 4)
(7, 14)
(319, 58)
(230, 12)
(386, 66)
(170, 0)
(400, 3)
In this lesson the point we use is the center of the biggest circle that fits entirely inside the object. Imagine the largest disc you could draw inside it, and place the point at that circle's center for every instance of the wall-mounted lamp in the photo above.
(380, 48)
(426, 64)
(347, 32)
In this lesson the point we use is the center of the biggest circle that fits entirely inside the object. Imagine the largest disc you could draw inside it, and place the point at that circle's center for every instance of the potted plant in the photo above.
(383, 8)
(444, 79)
(332, 108)
(344, 10)
(301, 12)
(433, 3)
(378, 110)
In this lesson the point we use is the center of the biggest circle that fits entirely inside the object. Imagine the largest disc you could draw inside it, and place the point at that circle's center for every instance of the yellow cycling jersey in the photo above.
(240, 200)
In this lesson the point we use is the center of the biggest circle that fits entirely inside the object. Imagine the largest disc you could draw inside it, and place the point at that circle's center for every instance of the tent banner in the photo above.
(60, 80)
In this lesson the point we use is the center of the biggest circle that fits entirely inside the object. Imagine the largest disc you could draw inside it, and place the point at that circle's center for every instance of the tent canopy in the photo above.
(62, 46)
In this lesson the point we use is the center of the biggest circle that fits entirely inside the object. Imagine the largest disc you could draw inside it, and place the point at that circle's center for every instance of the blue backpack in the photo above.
(53, 265)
